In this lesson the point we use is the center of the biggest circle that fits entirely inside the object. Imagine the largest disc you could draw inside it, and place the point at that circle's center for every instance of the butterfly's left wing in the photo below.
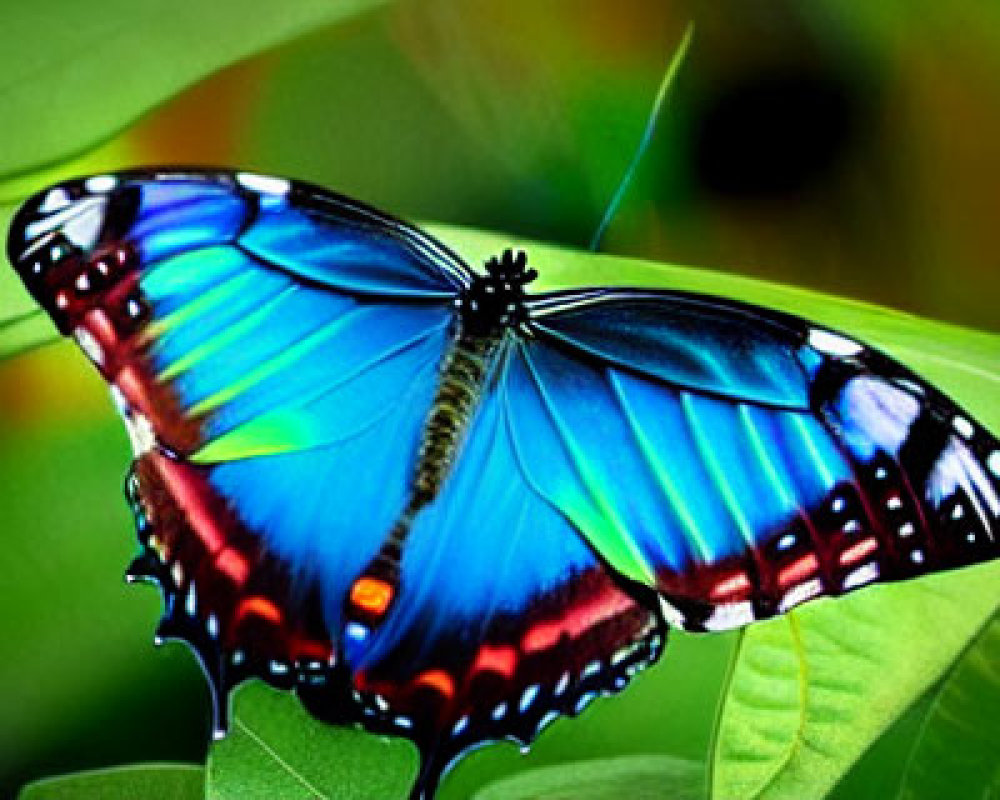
(274, 349)
(743, 461)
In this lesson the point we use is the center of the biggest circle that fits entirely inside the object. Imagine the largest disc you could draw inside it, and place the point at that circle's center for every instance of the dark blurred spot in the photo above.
(771, 134)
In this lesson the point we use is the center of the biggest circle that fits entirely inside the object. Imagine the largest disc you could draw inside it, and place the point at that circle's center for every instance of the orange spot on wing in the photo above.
(798, 571)
(258, 606)
(231, 562)
(371, 594)
(438, 680)
(501, 659)
(858, 551)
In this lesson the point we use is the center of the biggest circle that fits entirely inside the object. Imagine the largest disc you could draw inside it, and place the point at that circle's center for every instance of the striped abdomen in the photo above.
(465, 369)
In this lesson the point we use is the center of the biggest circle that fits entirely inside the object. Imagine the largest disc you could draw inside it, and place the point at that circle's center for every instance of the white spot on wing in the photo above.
(875, 415)
(964, 427)
(80, 222)
(263, 183)
(957, 468)
(833, 344)
(993, 462)
(90, 346)
(799, 594)
(672, 615)
(140, 433)
(730, 615)
(54, 200)
(864, 574)
(121, 404)
(100, 183)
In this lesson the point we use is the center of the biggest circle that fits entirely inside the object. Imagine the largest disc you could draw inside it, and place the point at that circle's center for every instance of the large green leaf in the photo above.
(810, 692)
(637, 777)
(72, 74)
(138, 782)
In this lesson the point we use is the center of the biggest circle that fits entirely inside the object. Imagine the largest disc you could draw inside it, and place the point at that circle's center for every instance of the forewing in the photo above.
(743, 462)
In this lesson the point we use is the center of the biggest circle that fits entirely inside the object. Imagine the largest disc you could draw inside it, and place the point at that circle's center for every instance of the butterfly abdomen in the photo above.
(463, 374)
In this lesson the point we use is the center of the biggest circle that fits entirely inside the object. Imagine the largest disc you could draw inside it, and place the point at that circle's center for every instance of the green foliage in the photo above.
(276, 749)
(139, 782)
(955, 753)
(642, 777)
(71, 78)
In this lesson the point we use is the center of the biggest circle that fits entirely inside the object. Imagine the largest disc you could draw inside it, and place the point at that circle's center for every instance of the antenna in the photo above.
(647, 135)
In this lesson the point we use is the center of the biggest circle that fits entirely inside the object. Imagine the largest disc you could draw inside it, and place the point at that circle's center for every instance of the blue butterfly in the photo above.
(439, 505)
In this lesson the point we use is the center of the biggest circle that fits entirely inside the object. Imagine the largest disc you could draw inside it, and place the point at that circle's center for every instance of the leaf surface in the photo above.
(136, 782)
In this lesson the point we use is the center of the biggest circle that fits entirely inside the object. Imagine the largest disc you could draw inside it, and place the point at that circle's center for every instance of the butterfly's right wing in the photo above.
(739, 460)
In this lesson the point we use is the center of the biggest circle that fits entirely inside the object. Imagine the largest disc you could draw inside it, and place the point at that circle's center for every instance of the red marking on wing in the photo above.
(233, 564)
(859, 551)
(798, 571)
(501, 659)
(308, 648)
(577, 620)
(738, 584)
(191, 502)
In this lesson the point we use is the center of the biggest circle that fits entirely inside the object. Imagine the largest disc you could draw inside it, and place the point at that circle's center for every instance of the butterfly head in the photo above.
(495, 301)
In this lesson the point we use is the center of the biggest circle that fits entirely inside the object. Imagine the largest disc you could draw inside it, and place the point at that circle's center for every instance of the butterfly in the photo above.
(442, 506)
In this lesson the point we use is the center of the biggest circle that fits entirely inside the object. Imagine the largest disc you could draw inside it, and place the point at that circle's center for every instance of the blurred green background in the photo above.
(851, 148)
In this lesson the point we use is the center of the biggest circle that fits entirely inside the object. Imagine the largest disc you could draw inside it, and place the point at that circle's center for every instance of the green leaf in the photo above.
(276, 749)
(811, 691)
(635, 777)
(955, 754)
(136, 782)
(72, 77)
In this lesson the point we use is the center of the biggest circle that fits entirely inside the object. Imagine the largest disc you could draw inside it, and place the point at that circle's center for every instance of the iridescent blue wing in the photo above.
(742, 461)
(274, 350)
